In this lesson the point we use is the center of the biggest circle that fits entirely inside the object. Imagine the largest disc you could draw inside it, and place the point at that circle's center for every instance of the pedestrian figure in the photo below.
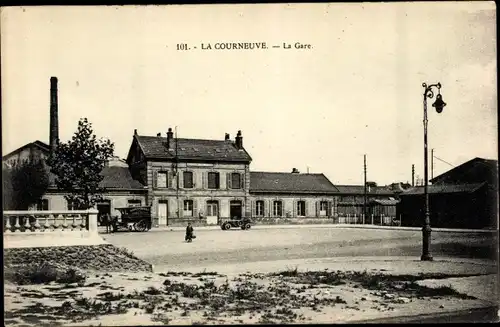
(189, 233)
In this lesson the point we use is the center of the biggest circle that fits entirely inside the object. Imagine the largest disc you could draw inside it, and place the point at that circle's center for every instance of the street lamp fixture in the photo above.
(439, 104)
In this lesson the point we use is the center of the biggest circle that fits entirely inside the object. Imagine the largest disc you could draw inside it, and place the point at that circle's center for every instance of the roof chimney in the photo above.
(54, 124)
(170, 136)
(227, 137)
(239, 141)
(295, 171)
(135, 131)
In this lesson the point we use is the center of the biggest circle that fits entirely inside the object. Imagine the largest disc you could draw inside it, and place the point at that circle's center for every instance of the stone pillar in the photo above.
(92, 222)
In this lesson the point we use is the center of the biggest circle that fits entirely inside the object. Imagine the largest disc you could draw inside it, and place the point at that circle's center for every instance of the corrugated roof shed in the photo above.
(359, 201)
(475, 170)
(359, 189)
(444, 188)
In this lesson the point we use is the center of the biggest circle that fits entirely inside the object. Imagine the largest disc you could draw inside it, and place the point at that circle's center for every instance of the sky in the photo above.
(357, 91)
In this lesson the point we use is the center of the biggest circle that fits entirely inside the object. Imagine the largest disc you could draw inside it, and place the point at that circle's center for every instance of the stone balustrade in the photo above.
(51, 227)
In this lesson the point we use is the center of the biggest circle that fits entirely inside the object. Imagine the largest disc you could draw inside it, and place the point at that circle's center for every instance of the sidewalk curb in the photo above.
(334, 226)
(491, 310)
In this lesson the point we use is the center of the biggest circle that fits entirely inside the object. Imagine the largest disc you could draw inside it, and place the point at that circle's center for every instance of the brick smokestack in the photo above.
(54, 123)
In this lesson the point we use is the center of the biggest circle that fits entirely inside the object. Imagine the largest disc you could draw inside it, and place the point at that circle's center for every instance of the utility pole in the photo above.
(413, 175)
(364, 205)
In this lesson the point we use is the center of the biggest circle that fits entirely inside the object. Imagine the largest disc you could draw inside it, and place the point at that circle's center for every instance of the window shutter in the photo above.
(283, 213)
(181, 179)
(173, 179)
(318, 205)
(155, 179)
(228, 180)
(294, 211)
(193, 179)
(195, 208)
(242, 181)
(204, 180)
(254, 208)
(168, 176)
(271, 209)
(265, 208)
(181, 209)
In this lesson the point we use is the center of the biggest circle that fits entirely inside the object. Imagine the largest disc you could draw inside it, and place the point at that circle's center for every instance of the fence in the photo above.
(50, 228)
(380, 220)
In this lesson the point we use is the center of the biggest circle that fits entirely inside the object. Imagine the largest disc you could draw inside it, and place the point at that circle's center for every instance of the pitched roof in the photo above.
(115, 178)
(39, 144)
(444, 188)
(154, 147)
(359, 189)
(467, 170)
(271, 182)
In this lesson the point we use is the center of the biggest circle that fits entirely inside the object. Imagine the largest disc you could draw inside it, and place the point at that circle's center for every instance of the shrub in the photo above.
(288, 273)
(44, 273)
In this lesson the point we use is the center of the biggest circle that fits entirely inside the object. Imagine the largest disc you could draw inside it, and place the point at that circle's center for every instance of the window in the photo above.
(301, 208)
(259, 208)
(212, 209)
(73, 205)
(323, 208)
(42, 204)
(187, 179)
(188, 208)
(236, 180)
(277, 209)
(213, 180)
(162, 181)
(134, 203)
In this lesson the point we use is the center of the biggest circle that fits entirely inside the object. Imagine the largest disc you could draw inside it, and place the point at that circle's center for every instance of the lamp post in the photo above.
(439, 104)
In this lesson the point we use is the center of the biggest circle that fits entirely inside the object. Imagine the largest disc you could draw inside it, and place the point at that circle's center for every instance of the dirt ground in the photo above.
(327, 292)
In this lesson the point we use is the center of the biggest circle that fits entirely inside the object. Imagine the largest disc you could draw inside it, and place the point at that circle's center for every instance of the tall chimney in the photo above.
(54, 124)
(227, 137)
(412, 175)
(239, 141)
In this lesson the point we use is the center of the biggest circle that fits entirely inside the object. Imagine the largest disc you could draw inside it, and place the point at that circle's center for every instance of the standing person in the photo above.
(189, 233)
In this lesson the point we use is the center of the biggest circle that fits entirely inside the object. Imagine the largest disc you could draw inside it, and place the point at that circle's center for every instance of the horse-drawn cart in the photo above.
(137, 218)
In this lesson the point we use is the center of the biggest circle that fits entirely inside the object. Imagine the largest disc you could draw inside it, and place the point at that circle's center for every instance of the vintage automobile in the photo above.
(243, 223)
(134, 218)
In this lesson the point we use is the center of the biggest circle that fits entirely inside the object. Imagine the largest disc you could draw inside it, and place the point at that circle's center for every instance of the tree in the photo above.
(78, 164)
(24, 184)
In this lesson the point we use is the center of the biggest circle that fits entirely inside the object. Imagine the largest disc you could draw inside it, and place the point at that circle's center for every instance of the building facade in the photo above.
(191, 179)
(201, 181)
